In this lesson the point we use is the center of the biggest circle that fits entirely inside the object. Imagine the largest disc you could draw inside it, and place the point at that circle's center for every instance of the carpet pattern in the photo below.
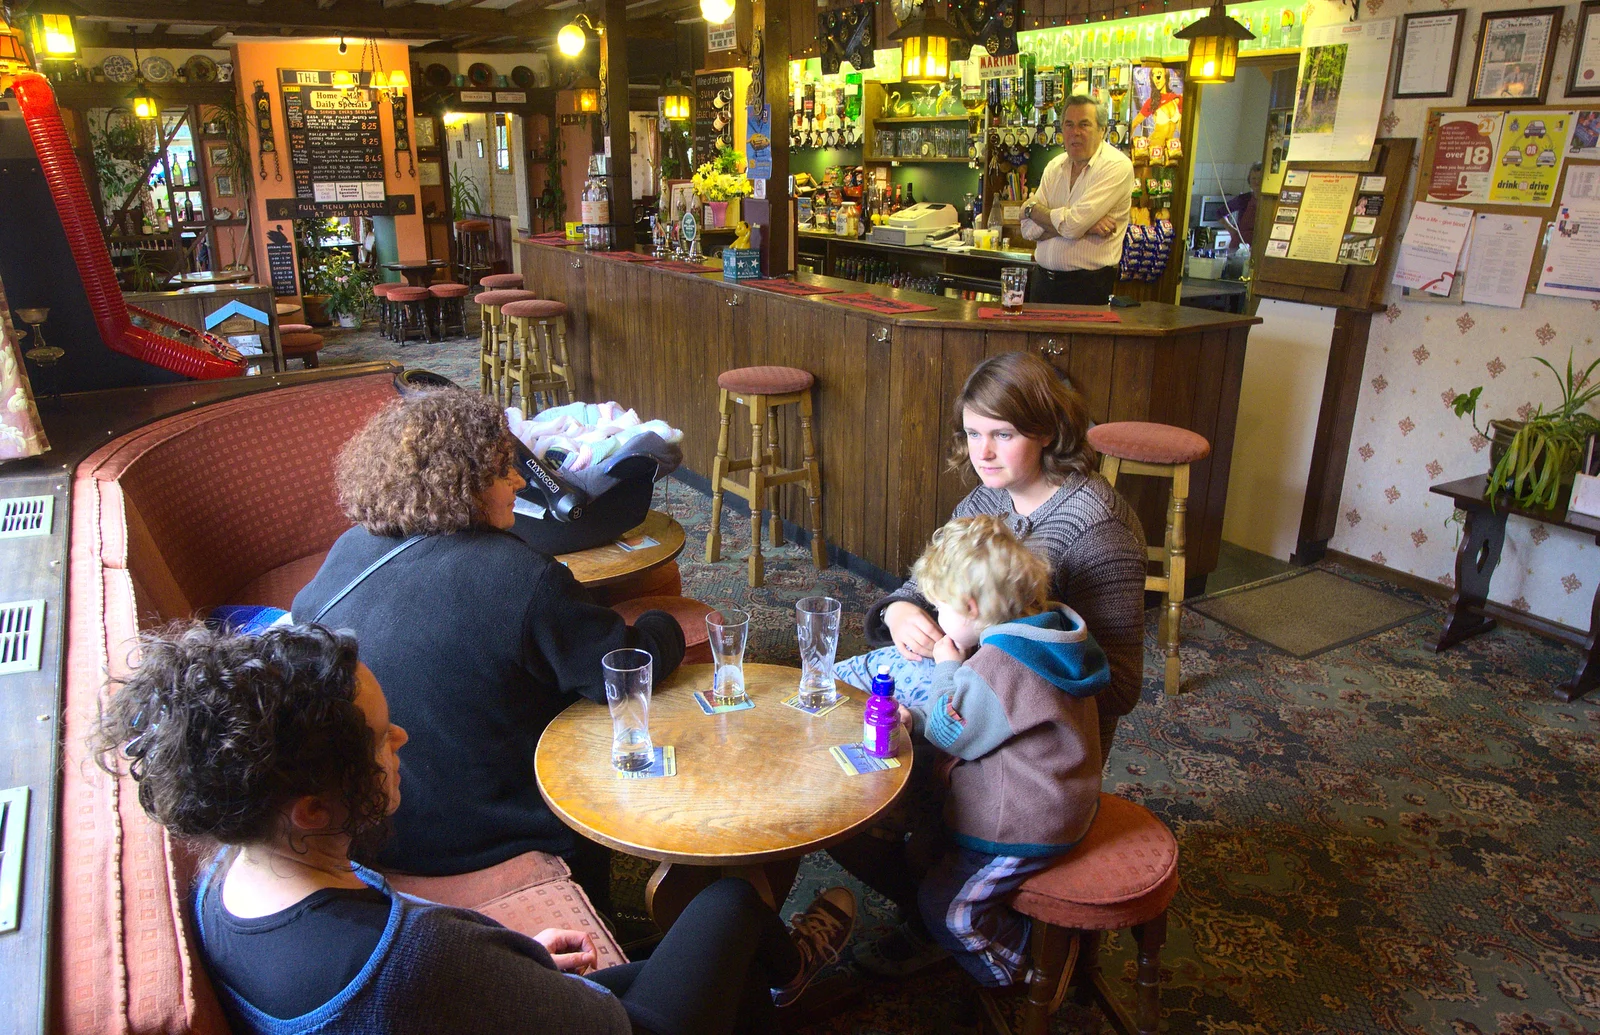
(455, 358)
(1309, 611)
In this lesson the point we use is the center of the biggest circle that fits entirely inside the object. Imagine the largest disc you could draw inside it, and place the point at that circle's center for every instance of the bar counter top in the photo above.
(1145, 319)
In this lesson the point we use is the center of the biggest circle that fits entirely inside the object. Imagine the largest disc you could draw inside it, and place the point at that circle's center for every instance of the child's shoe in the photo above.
(898, 954)
(820, 935)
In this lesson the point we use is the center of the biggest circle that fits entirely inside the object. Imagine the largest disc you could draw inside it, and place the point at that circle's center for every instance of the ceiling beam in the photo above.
(524, 6)
(216, 34)
(656, 7)
(456, 5)
(275, 15)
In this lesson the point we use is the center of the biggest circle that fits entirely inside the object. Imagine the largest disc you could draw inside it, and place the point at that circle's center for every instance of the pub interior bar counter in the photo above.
(656, 339)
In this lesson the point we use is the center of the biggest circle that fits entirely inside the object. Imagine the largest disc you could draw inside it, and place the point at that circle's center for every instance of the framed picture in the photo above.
(219, 154)
(1584, 78)
(1430, 50)
(1515, 52)
(422, 126)
(224, 185)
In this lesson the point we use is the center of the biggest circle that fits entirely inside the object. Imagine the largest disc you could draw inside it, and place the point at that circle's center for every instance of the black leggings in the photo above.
(713, 972)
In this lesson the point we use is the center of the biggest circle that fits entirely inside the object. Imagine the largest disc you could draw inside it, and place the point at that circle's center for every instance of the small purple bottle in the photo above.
(881, 716)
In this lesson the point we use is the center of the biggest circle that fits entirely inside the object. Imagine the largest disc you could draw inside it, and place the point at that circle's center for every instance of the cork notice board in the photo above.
(1351, 286)
(1456, 160)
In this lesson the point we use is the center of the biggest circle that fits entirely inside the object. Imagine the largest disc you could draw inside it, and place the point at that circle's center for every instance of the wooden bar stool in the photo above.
(502, 282)
(380, 298)
(1163, 451)
(409, 311)
(302, 344)
(450, 301)
(1124, 873)
(494, 348)
(763, 389)
(538, 354)
(474, 252)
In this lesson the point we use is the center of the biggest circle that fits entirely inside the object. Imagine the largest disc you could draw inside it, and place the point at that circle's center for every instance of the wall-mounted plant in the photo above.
(1535, 459)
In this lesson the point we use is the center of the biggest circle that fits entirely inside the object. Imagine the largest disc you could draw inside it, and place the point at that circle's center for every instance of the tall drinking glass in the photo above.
(1013, 288)
(628, 683)
(729, 631)
(816, 622)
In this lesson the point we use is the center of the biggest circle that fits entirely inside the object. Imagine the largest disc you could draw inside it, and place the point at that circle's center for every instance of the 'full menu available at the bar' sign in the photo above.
(335, 148)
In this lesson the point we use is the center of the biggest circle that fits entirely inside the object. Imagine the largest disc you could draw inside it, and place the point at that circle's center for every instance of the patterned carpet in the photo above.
(1378, 839)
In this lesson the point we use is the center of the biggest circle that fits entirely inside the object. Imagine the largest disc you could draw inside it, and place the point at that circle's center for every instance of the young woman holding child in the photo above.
(280, 749)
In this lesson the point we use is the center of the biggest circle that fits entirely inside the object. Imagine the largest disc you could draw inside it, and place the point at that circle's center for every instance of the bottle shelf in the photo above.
(915, 120)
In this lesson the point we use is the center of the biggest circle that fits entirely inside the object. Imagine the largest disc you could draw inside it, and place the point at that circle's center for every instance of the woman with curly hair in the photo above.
(479, 639)
(280, 748)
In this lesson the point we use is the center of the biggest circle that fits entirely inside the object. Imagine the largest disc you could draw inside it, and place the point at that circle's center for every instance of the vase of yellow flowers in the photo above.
(720, 183)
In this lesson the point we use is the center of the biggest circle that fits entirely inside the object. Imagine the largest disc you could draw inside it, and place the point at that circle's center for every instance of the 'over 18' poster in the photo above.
(1463, 156)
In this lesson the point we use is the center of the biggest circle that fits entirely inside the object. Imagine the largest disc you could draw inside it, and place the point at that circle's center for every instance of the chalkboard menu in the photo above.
(335, 149)
(280, 262)
(713, 114)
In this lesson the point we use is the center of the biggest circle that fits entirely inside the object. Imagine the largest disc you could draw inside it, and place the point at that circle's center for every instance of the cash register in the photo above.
(914, 224)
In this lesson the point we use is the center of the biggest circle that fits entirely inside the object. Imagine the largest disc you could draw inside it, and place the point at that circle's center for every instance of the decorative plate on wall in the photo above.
(157, 69)
(522, 75)
(437, 75)
(119, 68)
(480, 74)
(201, 69)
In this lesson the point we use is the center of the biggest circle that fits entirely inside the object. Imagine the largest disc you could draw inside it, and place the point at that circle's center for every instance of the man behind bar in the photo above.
(1080, 212)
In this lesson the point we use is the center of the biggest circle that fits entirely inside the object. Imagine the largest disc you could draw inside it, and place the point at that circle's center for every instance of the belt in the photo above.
(1063, 273)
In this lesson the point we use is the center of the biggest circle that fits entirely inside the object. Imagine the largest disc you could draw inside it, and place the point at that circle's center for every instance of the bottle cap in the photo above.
(883, 683)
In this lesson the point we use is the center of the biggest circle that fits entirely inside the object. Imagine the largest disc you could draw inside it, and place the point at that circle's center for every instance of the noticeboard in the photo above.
(334, 144)
(713, 113)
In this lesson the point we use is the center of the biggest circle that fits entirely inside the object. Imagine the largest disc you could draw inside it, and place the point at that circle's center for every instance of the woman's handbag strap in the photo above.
(374, 566)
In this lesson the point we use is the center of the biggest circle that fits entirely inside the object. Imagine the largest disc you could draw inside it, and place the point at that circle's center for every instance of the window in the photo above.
(502, 142)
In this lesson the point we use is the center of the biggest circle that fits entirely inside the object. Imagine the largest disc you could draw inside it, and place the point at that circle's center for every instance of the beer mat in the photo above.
(636, 542)
(679, 266)
(793, 701)
(789, 287)
(707, 705)
(662, 763)
(855, 761)
(1050, 315)
(881, 305)
(622, 256)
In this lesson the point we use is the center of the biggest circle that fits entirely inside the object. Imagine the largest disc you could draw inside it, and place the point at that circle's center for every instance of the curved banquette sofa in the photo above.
(230, 503)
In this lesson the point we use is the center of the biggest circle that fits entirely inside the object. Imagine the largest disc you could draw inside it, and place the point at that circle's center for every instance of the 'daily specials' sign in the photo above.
(335, 149)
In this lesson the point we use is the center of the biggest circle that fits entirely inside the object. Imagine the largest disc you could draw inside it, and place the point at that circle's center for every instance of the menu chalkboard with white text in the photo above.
(335, 148)
(713, 114)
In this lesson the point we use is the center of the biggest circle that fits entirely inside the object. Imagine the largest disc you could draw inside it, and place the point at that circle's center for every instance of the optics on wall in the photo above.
(925, 48)
(52, 36)
(716, 11)
(572, 38)
(1213, 46)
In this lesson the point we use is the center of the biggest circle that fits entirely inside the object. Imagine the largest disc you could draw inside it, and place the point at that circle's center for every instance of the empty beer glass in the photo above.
(628, 683)
(728, 630)
(816, 622)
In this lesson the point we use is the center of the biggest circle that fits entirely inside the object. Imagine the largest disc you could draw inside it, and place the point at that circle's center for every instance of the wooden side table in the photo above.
(1479, 553)
(610, 563)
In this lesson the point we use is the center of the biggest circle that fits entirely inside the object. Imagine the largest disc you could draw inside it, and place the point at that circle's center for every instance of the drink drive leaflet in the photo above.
(1324, 210)
(1463, 156)
(1527, 165)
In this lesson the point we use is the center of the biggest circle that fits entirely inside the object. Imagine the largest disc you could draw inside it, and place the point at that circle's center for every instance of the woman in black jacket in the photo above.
(478, 639)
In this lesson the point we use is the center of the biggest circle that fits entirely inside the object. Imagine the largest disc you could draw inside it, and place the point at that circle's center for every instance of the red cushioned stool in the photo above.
(474, 250)
(502, 282)
(1123, 873)
(1162, 451)
(537, 357)
(494, 339)
(451, 300)
(380, 298)
(295, 328)
(301, 345)
(691, 616)
(410, 305)
(762, 389)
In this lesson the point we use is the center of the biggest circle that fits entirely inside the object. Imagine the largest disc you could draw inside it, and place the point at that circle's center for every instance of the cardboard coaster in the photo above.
(703, 699)
(663, 764)
(855, 761)
(793, 701)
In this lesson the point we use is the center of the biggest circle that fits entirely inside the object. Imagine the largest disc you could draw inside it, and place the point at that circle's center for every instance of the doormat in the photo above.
(1310, 612)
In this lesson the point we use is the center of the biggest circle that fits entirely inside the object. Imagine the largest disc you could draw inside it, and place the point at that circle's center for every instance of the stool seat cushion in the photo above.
(1149, 443)
(299, 344)
(382, 290)
(765, 380)
(448, 290)
(691, 617)
(501, 280)
(294, 328)
(408, 294)
(1124, 872)
(473, 226)
(502, 296)
(535, 308)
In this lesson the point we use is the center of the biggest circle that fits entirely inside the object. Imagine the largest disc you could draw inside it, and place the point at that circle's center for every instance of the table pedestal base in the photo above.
(674, 885)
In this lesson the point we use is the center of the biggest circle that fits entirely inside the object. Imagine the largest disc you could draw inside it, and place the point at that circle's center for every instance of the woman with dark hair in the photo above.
(280, 748)
(1023, 431)
(479, 639)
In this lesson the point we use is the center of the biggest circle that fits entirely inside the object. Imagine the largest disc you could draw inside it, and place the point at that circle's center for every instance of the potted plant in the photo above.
(1534, 460)
(349, 288)
(311, 236)
(719, 182)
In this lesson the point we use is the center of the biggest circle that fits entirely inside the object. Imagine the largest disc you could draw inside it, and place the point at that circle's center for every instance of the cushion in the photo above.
(535, 308)
(382, 290)
(765, 380)
(300, 344)
(1124, 872)
(495, 281)
(448, 290)
(294, 328)
(408, 294)
(691, 616)
(276, 588)
(1149, 443)
(503, 295)
(473, 226)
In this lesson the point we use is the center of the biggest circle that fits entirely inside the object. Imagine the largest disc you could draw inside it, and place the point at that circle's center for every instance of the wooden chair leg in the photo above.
(486, 351)
(1088, 968)
(1110, 467)
(758, 486)
(1176, 565)
(819, 546)
(775, 525)
(719, 468)
(1147, 1009)
(1050, 948)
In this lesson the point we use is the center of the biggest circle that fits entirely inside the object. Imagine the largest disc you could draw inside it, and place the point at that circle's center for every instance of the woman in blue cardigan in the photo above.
(280, 749)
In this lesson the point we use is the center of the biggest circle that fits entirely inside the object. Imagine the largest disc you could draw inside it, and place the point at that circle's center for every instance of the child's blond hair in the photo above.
(979, 558)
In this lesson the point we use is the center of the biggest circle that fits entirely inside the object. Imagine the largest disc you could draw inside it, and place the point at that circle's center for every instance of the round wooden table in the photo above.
(417, 274)
(604, 565)
(287, 308)
(755, 790)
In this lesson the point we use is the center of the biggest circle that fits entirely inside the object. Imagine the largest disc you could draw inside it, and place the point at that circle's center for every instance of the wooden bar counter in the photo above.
(655, 340)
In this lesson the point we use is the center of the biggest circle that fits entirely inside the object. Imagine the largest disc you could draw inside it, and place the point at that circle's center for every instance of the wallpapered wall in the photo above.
(1406, 436)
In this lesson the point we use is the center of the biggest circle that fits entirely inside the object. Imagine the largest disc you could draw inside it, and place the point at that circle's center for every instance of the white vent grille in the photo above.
(25, 516)
(21, 623)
